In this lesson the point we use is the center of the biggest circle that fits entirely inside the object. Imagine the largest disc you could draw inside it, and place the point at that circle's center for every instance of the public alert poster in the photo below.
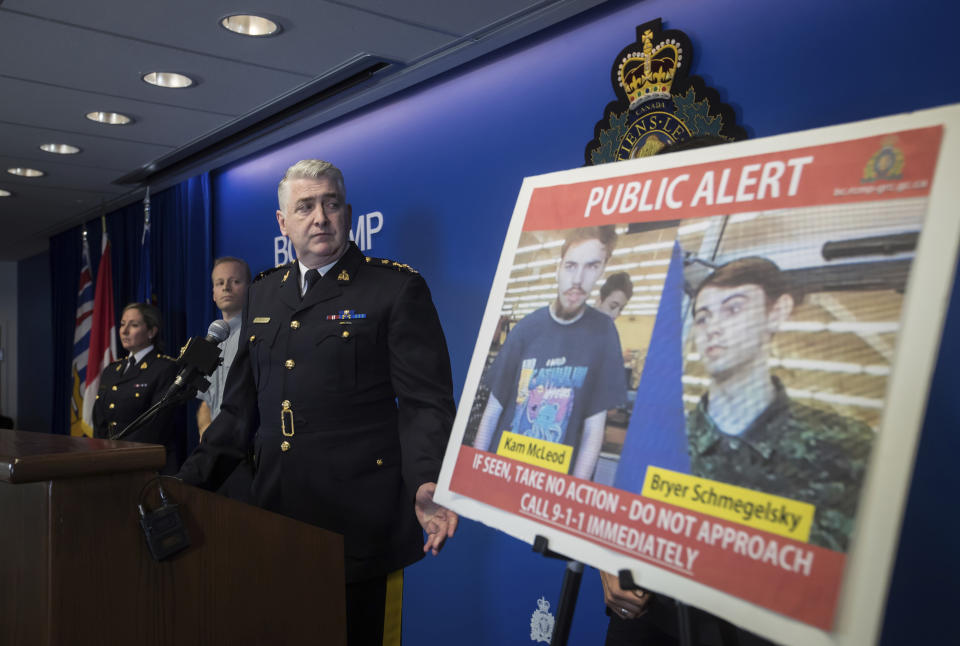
(708, 368)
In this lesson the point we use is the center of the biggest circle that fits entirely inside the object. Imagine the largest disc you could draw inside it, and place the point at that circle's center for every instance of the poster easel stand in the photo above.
(569, 591)
(685, 631)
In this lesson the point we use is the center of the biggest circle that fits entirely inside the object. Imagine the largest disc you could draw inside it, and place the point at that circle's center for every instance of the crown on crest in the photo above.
(649, 74)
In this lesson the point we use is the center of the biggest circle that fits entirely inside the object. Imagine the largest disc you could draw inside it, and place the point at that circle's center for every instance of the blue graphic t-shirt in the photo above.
(550, 377)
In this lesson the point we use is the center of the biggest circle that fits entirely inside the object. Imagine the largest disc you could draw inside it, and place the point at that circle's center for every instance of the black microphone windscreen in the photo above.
(218, 330)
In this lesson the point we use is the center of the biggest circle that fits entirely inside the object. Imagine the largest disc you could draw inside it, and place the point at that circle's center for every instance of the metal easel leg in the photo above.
(684, 628)
(568, 601)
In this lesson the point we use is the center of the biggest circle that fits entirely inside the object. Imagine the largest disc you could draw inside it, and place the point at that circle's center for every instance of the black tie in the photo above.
(131, 362)
(310, 278)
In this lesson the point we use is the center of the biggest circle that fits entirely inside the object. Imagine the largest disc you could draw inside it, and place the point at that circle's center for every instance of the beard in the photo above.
(565, 314)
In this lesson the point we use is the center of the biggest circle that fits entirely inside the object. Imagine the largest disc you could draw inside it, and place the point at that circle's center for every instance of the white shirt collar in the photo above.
(234, 323)
(322, 270)
(561, 321)
(140, 354)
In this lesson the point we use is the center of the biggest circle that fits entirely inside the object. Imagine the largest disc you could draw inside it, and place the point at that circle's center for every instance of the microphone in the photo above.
(199, 357)
(218, 331)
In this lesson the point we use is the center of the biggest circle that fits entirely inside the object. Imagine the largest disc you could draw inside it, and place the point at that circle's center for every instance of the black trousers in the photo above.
(374, 611)
(659, 627)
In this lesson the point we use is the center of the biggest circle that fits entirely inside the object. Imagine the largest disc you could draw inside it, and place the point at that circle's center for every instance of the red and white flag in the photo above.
(103, 335)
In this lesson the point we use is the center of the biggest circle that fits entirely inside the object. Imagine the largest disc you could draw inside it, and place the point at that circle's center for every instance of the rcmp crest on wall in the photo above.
(658, 101)
(541, 622)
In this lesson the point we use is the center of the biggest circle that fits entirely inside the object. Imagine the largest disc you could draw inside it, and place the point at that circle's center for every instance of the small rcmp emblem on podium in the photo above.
(658, 102)
(541, 622)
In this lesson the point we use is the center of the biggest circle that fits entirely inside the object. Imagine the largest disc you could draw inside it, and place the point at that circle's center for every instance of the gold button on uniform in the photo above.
(285, 446)
(289, 364)
(379, 462)
(136, 394)
(345, 334)
(295, 324)
(285, 404)
(252, 337)
(113, 387)
(112, 406)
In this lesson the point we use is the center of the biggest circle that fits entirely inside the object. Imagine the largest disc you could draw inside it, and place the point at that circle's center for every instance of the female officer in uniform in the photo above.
(131, 385)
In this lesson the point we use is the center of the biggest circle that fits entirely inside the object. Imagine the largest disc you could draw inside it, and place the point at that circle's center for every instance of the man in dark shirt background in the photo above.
(561, 367)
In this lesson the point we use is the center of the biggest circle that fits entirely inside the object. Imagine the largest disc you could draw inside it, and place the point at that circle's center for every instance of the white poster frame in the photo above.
(869, 563)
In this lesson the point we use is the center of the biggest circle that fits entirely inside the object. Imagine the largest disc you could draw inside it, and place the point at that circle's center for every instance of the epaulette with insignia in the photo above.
(267, 272)
(391, 264)
(167, 357)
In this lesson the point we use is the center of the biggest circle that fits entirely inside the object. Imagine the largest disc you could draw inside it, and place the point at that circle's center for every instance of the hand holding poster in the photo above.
(733, 418)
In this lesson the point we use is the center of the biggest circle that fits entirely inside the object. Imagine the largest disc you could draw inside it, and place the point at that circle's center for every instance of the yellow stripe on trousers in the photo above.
(393, 609)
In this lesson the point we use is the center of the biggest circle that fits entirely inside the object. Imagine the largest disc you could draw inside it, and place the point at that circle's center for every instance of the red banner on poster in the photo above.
(830, 174)
(792, 577)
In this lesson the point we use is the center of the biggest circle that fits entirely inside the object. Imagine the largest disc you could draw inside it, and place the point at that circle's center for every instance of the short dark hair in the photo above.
(751, 270)
(241, 261)
(151, 317)
(605, 234)
(619, 281)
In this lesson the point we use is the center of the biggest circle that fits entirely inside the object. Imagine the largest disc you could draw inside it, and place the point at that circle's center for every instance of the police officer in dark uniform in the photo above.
(131, 385)
(341, 388)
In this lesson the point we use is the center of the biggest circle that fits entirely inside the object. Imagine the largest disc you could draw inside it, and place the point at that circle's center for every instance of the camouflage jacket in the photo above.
(790, 450)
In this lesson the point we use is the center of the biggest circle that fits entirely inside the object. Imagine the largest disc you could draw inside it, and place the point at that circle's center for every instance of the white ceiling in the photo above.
(60, 59)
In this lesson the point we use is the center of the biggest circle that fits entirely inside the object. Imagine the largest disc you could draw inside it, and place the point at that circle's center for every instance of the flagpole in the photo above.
(80, 426)
(144, 274)
(103, 344)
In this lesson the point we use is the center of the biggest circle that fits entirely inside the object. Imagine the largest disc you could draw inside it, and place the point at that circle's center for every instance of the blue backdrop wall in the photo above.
(440, 167)
(34, 331)
(433, 175)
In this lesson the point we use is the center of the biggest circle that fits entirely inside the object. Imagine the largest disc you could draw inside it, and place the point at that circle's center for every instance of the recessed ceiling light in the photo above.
(110, 118)
(250, 25)
(168, 79)
(60, 149)
(5, 193)
(26, 172)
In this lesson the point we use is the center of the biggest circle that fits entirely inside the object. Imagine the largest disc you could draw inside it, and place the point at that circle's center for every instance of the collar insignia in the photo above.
(284, 279)
(343, 276)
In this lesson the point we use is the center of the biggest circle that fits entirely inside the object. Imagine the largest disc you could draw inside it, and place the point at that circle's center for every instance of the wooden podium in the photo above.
(75, 568)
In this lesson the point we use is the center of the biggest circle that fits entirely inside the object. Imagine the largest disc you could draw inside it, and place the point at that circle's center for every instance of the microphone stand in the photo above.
(198, 358)
(165, 402)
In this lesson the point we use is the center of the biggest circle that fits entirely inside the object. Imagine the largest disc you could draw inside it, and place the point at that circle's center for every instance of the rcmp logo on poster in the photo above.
(885, 164)
(658, 102)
